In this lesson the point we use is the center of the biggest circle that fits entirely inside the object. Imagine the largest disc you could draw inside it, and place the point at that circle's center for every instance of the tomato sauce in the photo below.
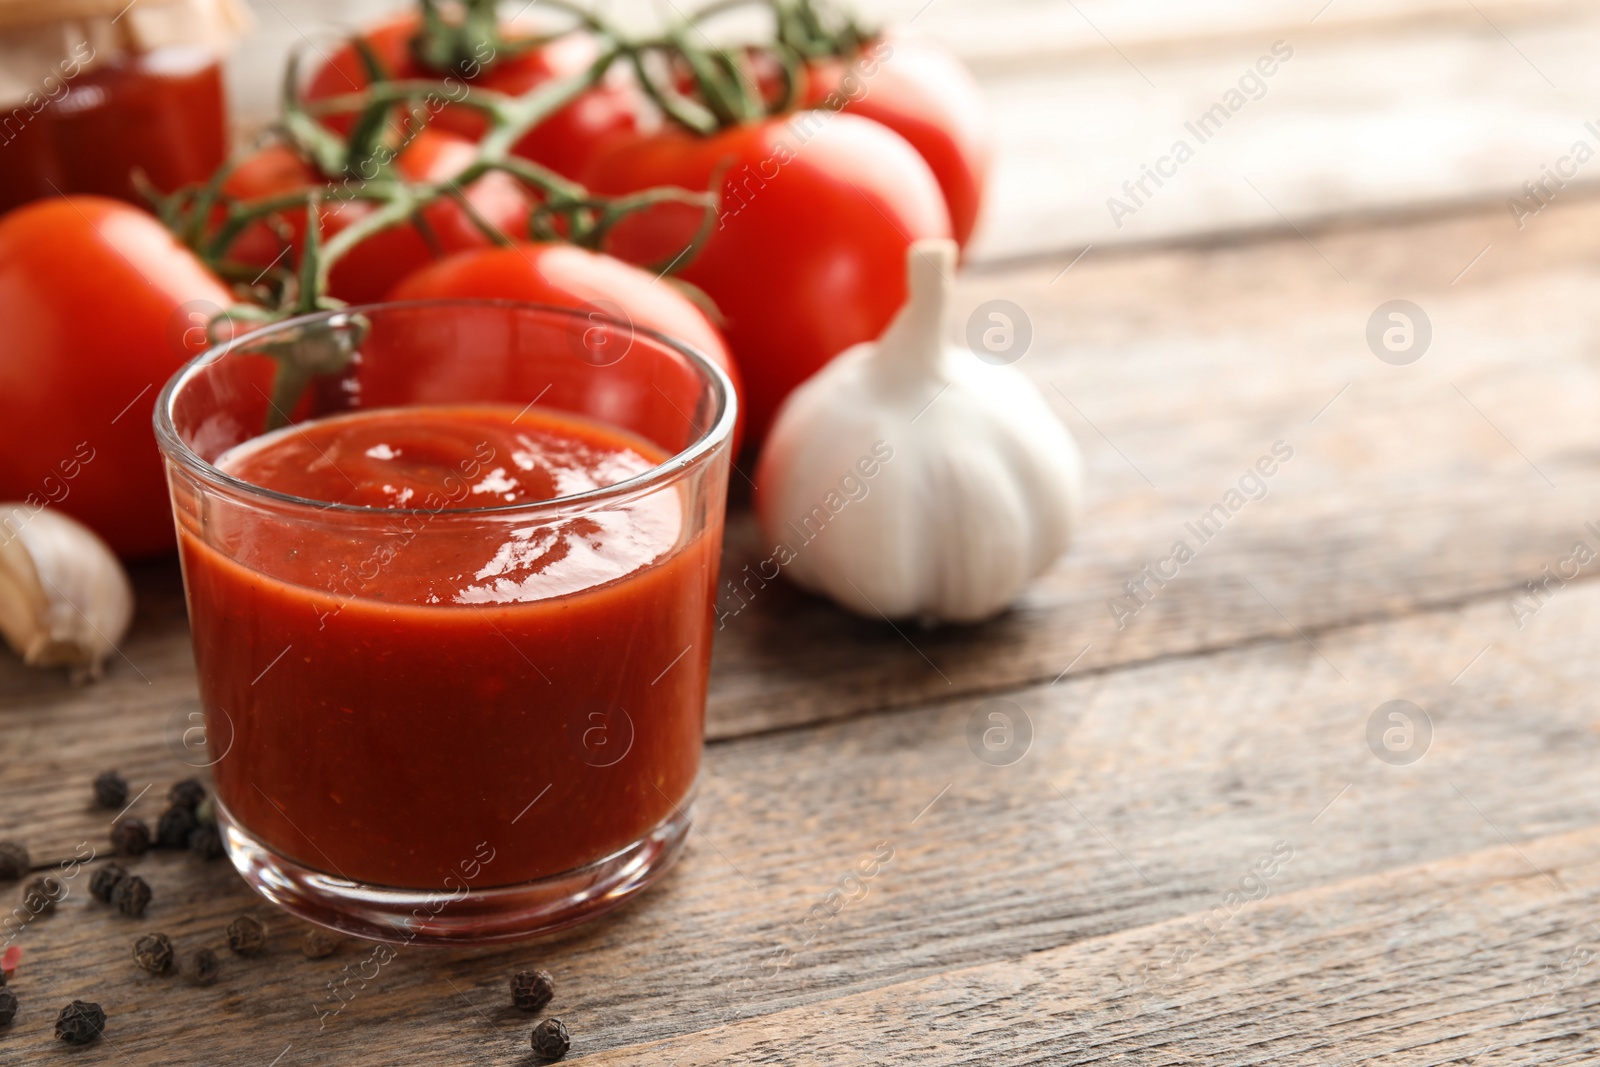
(536, 683)
(160, 112)
(29, 161)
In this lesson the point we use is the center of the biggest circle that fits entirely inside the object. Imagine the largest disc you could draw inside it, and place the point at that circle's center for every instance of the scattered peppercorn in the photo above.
(551, 1040)
(131, 895)
(200, 967)
(104, 880)
(247, 935)
(41, 895)
(130, 836)
(206, 842)
(8, 1007)
(317, 945)
(175, 826)
(80, 1022)
(153, 952)
(532, 990)
(186, 794)
(110, 790)
(13, 861)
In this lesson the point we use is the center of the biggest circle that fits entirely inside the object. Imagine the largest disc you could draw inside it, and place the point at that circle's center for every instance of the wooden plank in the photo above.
(1146, 794)
(1465, 472)
(1480, 959)
(1351, 124)
(1411, 486)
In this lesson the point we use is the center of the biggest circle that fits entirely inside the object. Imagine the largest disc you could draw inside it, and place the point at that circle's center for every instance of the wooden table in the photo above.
(1199, 858)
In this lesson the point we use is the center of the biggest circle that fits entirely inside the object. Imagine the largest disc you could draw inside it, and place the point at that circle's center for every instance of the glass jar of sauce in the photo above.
(453, 623)
(88, 101)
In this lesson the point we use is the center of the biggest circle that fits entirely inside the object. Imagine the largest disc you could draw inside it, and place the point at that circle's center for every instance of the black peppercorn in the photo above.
(110, 790)
(80, 1022)
(247, 935)
(186, 794)
(175, 826)
(206, 842)
(131, 895)
(532, 990)
(41, 895)
(153, 952)
(130, 837)
(13, 861)
(551, 1040)
(317, 945)
(104, 880)
(8, 1007)
(200, 967)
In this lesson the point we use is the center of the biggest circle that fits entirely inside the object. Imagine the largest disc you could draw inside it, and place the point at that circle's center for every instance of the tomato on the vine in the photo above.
(564, 142)
(567, 276)
(910, 85)
(374, 265)
(924, 94)
(807, 255)
(93, 295)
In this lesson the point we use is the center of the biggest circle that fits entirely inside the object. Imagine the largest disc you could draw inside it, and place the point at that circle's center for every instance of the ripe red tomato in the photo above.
(808, 254)
(91, 294)
(924, 94)
(373, 266)
(571, 277)
(564, 142)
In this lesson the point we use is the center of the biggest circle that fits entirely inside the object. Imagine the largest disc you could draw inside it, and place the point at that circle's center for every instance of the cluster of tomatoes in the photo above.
(827, 156)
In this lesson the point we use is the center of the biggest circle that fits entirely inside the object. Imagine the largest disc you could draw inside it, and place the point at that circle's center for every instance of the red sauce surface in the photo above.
(161, 112)
(394, 704)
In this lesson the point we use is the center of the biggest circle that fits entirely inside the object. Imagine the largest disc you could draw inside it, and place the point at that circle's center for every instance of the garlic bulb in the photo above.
(909, 478)
(65, 600)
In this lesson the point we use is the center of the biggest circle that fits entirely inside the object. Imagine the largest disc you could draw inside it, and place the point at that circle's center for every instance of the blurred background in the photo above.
(1385, 105)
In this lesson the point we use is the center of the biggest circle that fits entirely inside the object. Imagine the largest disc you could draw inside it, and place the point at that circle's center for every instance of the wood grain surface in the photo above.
(1462, 474)
(1145, 795)
(1487, 958)
(1203, 852)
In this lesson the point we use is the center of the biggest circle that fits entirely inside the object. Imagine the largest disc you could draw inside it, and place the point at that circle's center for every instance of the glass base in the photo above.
(442, 917)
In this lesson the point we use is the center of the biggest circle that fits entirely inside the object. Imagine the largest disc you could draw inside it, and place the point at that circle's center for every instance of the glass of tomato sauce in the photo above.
(94, 91)
(451, 569)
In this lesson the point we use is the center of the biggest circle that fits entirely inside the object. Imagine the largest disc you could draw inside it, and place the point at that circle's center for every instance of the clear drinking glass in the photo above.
(442, 723)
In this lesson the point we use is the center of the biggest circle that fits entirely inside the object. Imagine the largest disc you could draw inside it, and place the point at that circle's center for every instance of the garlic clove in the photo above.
(910, 479)
(65, 600)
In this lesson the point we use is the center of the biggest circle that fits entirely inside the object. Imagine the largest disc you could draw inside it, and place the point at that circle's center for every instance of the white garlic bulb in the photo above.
(910, 479)
(65, 600)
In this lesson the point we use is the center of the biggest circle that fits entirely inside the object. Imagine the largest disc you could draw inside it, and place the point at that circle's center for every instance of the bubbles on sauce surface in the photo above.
(441, 459)
(434, 458)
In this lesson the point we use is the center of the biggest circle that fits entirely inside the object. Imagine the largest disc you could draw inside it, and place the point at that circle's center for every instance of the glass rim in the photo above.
(174, 448)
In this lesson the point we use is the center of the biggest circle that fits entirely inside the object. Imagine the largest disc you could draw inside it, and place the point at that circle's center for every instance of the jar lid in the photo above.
(37, 12)
(43, 42)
